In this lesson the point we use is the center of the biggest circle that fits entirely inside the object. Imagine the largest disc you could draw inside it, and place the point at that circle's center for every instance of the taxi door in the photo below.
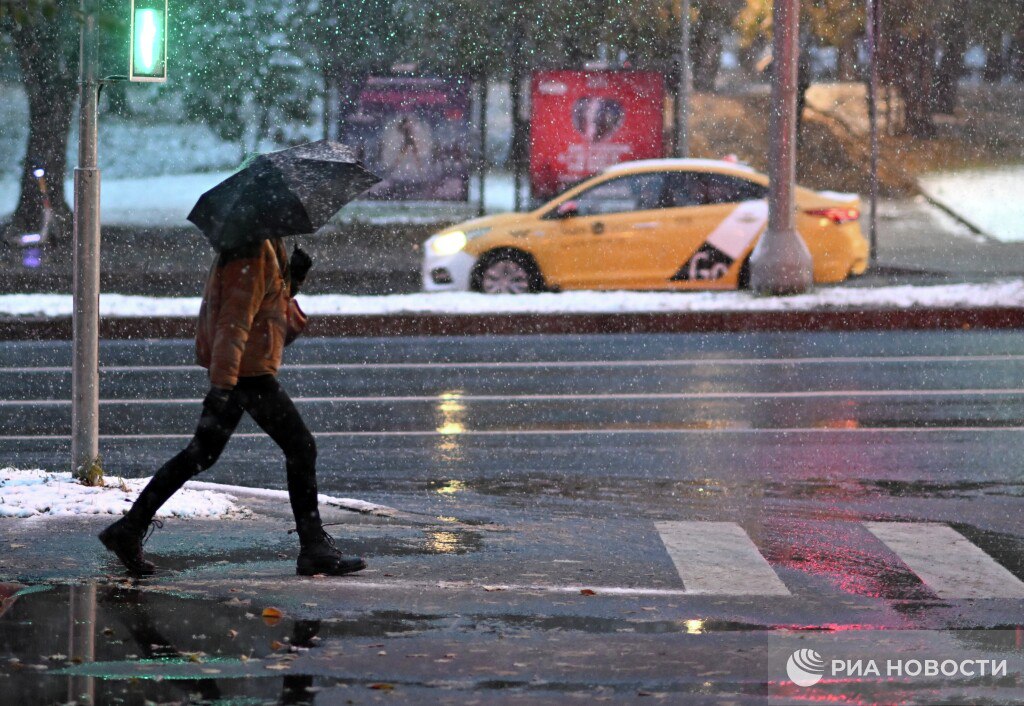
(606, 244)
(709, 237)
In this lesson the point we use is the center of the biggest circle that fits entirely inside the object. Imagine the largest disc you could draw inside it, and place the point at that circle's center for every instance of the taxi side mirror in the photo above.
(568, 209)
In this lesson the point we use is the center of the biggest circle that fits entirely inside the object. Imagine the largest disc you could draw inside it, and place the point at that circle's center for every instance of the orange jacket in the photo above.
(243, 318)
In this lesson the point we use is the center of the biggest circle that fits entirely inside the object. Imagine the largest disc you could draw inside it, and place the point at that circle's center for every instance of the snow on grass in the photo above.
(1008, 293)
(36, 492)
(33, 493)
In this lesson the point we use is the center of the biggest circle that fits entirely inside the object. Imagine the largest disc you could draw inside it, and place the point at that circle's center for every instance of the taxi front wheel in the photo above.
(507, 272)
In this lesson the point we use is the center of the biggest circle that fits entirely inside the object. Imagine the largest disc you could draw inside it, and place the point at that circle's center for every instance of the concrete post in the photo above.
(86, 288)
(781, 263)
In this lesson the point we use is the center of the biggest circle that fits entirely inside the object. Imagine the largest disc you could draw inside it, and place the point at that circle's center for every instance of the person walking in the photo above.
(246, 318)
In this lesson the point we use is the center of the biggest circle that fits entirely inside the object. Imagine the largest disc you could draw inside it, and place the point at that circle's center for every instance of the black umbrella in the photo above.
(290, 192)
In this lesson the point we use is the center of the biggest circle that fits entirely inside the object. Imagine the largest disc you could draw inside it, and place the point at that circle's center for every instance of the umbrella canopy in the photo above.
(289, 192)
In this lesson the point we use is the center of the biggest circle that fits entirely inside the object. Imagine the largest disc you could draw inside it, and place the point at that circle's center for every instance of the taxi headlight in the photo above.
(448, 243)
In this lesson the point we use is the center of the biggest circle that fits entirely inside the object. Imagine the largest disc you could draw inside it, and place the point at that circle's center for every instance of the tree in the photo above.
(347, 42)
(239, 71)
(45, 40)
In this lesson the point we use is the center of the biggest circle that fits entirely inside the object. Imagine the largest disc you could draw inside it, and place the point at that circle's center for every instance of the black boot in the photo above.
(125, 539)
(321, 556)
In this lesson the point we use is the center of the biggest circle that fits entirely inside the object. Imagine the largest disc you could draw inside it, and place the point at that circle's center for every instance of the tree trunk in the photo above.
(705, 56)
(847, 61)
(51, 86)
(995, 63)
(914, 81)
(1015, 57)
(950, 70)
(518, 151)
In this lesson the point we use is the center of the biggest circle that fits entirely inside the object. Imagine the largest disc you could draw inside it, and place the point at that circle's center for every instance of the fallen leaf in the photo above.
(382, 653)
(232, 634)
(382, 687)
(490, 589)
(588, 592)
(272, 616)
(275, 645)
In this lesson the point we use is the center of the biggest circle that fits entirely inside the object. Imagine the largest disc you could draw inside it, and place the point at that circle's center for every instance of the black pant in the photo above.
(269, 405)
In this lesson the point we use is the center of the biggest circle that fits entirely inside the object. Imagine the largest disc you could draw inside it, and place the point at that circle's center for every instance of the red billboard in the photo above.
(584, 121)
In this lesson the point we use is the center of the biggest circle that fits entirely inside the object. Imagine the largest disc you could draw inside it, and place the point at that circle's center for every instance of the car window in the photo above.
(637, 192)
(698, 189)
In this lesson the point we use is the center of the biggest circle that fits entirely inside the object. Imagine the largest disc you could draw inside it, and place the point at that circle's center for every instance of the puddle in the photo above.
(105, 644)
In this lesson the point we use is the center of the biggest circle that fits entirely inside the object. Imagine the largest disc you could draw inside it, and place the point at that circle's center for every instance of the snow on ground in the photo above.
(31, 493)
(988, 198)
(35, 493)
(1001, 294)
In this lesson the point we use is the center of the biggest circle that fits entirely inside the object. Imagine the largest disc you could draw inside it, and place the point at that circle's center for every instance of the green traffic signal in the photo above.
(148, 58)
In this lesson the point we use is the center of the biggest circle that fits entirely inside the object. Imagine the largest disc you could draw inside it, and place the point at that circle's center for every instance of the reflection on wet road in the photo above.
(581, 517)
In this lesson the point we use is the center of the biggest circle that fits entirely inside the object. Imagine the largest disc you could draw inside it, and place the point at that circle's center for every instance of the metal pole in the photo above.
(781, 263)
(685, 83)
(872, 39)
(482, 165)
(86, 290)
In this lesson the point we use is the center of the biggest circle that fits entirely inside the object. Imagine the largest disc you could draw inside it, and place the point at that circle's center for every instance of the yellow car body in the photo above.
(671, 224)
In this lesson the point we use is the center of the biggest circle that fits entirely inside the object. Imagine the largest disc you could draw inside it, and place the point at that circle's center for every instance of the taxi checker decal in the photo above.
(727, 242)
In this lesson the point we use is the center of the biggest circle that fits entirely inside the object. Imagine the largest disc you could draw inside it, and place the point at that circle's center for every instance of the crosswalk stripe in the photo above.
(718, 558)
(947, 562)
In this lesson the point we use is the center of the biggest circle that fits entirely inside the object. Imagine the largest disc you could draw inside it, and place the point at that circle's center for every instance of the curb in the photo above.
(30, 329)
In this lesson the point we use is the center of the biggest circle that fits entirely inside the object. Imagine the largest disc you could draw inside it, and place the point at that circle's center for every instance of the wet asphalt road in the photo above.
(726, 499)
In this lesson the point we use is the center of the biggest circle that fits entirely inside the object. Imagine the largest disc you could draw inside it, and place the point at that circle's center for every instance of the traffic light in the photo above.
(148, 57)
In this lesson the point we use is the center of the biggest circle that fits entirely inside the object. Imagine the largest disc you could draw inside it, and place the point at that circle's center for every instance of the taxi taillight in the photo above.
(836, 214)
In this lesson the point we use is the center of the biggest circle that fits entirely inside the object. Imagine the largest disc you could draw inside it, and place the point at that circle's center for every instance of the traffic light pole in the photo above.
(86, 288)
(781, 263)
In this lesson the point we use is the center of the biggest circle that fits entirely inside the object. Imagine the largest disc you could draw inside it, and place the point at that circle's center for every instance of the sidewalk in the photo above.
(918, 245)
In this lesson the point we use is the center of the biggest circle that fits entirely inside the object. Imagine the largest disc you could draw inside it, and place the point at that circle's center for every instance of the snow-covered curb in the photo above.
(40, 493)
(1008, 293)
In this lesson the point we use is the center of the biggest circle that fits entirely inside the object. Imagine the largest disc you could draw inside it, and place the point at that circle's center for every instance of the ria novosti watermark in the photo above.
(806, 668)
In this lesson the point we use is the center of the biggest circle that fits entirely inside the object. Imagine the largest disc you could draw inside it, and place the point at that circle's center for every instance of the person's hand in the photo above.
(299, 264)
(217, 400)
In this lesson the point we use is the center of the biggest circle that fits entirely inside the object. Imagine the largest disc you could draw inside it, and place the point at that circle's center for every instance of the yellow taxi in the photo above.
(654, 224)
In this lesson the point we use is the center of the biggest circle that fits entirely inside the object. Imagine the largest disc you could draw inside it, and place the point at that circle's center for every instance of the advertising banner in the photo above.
(584, 121)
(414, 133)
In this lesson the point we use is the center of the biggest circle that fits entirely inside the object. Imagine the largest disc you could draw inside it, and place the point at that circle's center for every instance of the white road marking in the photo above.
(685, 362)
(575, 397)
(558, 432)
(718, 558)
(946, 561)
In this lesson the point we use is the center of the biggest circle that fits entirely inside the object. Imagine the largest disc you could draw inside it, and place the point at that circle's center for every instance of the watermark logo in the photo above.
(805, 667)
